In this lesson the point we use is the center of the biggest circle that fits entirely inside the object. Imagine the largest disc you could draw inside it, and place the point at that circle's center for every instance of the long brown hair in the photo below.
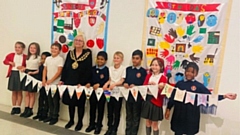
(37, 50)
(160, 63)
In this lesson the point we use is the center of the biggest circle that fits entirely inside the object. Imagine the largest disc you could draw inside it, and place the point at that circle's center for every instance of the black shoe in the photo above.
(108, 132)
(78, 127)
(25, 112)
(37, 117)
(113, 133)
(47, 119)
(90, 128)
(13, 111)
(29, 113)
(53, 121)
(17, 110)
(42, 118)
(69, 124)
(97, 130)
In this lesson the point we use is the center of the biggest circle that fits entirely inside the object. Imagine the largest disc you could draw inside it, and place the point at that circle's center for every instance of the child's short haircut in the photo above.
(193, 65)
(21, 43)
(57, 45)
(46, 54)
(138, 52)
(120, 54)
(103, 54)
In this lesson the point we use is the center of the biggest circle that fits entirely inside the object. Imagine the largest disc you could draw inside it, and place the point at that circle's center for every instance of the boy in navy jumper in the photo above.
(135, 75)
(100, 75)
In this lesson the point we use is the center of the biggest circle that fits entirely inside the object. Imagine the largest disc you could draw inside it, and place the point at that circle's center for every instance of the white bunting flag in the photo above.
(154, 90)
(79, 91)
(22, 75)
(71, 90)
(179, 95)
(34, 82)
(47, 88)
(134, 92)
(61, 89)
(143, 91)
(28, 80)
(125, 92)
(202, 99)
(53, 89)
(212, 99)
(99, 93)
(115, 93)
(190, 98)
(88, 92)
(39, 86)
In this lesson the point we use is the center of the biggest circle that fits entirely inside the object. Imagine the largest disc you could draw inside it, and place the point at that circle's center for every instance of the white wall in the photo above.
(29, 20)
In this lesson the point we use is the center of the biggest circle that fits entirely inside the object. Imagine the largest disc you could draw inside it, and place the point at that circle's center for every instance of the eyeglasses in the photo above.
(78, 40)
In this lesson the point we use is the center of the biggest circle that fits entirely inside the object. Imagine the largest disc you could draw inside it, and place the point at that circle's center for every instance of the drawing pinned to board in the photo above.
(90, 43)
(162, 17)
(211, 20)
(171, 18)
(57, 3)
(180, 18)
(62, 39)
(209, 59)
(169, 38)
(206, 79)
(155, 31)
(190, 18)
(201, 20)
(100, 42)
(213, 37)
(152, 13)
(151, 42)
(103, 4)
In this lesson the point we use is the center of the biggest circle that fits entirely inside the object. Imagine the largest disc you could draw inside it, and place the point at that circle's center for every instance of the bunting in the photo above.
(88, 92)
(79, 91)
(134, 92)
(125, 92)
(99, 93)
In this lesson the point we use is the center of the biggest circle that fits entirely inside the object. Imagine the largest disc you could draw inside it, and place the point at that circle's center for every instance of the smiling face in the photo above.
(79, 42)
(101, 61)
(19, 49)
(155, 67)
(117, 59)
(190, 73)
(33, 49)
(136, 60)
(55, 50)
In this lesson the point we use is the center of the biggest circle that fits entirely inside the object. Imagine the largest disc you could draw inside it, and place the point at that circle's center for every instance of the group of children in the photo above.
(106, 78)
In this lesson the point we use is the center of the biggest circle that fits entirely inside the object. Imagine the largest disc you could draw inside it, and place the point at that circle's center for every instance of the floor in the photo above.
(15, 125)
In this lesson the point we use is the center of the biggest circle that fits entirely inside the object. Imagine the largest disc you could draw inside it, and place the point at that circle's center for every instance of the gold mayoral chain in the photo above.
(75, 63)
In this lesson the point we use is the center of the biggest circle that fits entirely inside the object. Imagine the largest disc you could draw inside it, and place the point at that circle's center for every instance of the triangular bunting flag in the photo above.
(125, 92)
(28, 80)
(164, 91)
(179, 95)
(115, 93)
(61, 89)
(190, 98)
(88, 92)
(71, 90)
(79, 91)
(202, 99)
(22, 75)
(212, 100)
(34, 82)
(143, 91)
(99, 93)
(107, 94)
(53, 89)
(134, 92)
(154, 90)
(169, 91)
(39, 84)
(47, 88)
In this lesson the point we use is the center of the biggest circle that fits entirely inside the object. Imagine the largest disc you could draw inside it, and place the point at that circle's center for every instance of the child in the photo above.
(135, 75)
(100, 75)
(152, 108)
(16, 62)
(52, 71)
(42, 100)
(32, 65)
(186, 117)
(116, 78)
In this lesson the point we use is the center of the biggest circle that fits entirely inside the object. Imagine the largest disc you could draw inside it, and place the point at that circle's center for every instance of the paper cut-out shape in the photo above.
(171, 18)
(212, 100)
(179, 95)
(151, 42)
(115, 93)
(201, 20)
(28, 80)
(190, 97)
(39, 86)
(53, 90)
(79, 91)
(61, 89)
(99, 93)
(100, 42)
(202, 99)
(143, 91)
(47, 88)
(190, 18)
(100, 28)
(162, 17)
(134, 92)
(71, 90)
(88, 92)
(22, 75)
(90, 43)
(153, 13)
(211, 20)
(154, 90)
(125, 92)
(34, 82)
(213, 37)
(107, 94)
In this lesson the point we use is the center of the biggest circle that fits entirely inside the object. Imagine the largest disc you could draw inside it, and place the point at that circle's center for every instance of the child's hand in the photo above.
(30, 73)
(167, 114)
(44, 83)
(79, 85)
(152, 83)
(96, 86)
(60, 83)
(125, 85)
(88, 85)
(231, 96)
(48, 82)
(161, 85)
(112, 86)
(132, 85)
(12, 64)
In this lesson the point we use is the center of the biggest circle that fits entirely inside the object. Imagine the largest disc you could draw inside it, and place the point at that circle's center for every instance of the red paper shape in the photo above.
(90, 43)
(100, 43)
(92, 20)
(77, 22)
(65, 48)
(92, 3)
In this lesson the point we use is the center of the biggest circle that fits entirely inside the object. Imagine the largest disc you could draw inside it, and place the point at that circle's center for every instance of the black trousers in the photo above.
(98, 106)
(42, 103)
(54, 105)
(133, 110)
(114, 110)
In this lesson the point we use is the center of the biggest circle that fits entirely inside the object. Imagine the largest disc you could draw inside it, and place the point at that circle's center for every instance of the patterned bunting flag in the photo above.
(99, 93)
(134, 92)
(190, 98)
(154, 90)
(212, 99)
(107, 94)
(47, 88)
(88, 92)
(61, 89)
(179, 95)
(53, 90)
(39, 86)
(202, 99)
(28, 80)
(167, 90)
(34, 82)
(71, 90)
(115, 93)
(125, 92)
(143, 91)
(79, 91)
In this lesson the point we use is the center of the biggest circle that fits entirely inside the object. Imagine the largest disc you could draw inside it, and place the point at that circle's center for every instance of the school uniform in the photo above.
(100, 75)
(114, 106)
(135, 76)
(14, 83)
(186, 117)
(52, 64)
(32, 65)
(74, 76)
(152, 107)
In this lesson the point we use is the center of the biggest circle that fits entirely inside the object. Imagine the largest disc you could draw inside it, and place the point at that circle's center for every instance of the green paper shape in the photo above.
(151, 42)
(75, 33)
(203, 30)
(60, 30)
(60, 23)
(70, 43)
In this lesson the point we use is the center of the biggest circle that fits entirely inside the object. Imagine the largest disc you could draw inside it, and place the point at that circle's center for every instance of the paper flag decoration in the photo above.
(107, 95)
(99, 93)
(71, 90)
(22, 75)
(88, 92)
(28, 80)
(134, 92)
(53, 89)
(79, 91)
(115, 93)
(47, 88)
(154, 90)
(179, 95)
(202, 99)
(39, 84)
(61, 89)
(212, 100)
(143, 91)
(190, 98)
(167, 90)
(125, 92)
(34, 82)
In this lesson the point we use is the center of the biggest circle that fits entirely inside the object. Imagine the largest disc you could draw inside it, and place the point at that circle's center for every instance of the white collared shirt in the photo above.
(33, 63)
(18, 59)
